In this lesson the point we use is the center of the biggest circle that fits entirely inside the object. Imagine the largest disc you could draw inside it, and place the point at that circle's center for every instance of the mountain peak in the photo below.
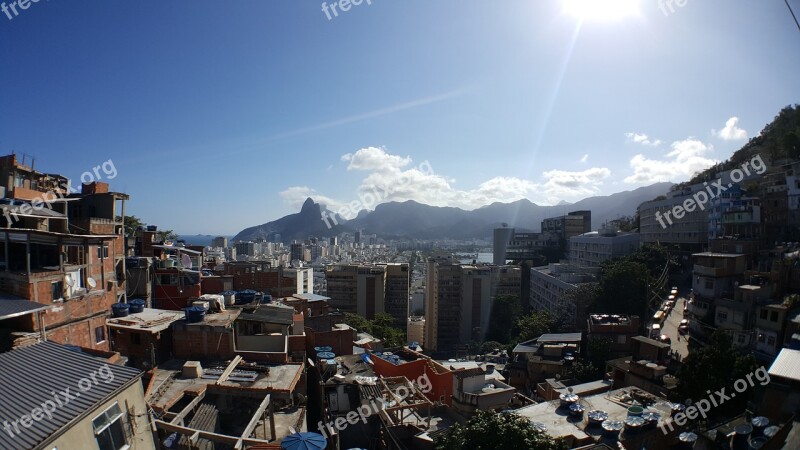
(308, 205)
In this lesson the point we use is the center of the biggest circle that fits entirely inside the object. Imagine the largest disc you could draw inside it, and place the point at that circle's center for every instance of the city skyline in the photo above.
(539, 101)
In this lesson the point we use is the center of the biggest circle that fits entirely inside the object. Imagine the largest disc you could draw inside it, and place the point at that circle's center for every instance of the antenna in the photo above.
(69, 280)
(90, 281)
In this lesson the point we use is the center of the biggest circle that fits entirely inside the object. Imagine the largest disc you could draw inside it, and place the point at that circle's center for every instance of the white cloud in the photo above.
(731, 132)
(390, 180)
(373, 158)
(685, 159)
(585, 158)
(641, 138)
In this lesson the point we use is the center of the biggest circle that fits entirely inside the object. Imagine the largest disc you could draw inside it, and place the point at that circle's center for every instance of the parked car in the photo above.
(655, 331)
(684, 326)
(665, 339)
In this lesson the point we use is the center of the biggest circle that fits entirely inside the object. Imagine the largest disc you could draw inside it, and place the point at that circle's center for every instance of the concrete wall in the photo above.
(131, 403)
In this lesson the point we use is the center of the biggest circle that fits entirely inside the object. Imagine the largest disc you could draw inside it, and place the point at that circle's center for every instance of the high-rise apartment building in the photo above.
(220, 242)
(297, 252)
(397, 292)
(459, 299)
(572, 224)
(593, 248)
(245, 248)
(357, 289)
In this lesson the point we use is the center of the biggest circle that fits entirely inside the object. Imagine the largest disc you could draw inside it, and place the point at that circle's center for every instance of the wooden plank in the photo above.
(185, 412)
(215, 437)
(231, 367)
(256, 415)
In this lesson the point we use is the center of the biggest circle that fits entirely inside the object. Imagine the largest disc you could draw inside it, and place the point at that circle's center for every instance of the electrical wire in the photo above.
(792, 13)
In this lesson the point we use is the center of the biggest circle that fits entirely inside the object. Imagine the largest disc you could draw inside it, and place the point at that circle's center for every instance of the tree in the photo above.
(489, 430)
(532, 326)
(166, 235)
(712, 368)
(505, 309)
(490, 346)
(623, 289)
(130, 223)
(381, 327)
(584, 372)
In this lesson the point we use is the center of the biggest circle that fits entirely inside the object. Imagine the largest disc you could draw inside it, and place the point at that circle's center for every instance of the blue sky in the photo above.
(222, 115)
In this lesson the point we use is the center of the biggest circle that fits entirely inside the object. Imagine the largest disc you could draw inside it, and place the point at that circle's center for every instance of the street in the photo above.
(680, 342)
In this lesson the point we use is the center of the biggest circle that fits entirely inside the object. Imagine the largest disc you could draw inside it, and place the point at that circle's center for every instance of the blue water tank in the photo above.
(137, 305)
(120, 309)
(195, 314)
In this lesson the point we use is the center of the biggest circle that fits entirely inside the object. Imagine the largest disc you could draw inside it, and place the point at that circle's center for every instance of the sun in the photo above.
(600, 10)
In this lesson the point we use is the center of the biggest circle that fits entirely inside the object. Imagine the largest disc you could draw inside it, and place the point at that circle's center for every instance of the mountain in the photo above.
(412, 219)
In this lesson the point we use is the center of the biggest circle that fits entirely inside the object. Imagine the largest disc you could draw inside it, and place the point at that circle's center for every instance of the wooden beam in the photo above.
(215, 437)
(256, 415)
(185, 412)
(228, 370)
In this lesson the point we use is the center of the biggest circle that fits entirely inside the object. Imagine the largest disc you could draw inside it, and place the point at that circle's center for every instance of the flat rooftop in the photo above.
(559, 423)
(152, 320)
(171, 385)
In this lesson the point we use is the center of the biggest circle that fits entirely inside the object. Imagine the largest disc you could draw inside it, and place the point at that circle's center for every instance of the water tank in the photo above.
(246, 296)
(137, 305)
(120, 309)
(230, 297)
(195, 314)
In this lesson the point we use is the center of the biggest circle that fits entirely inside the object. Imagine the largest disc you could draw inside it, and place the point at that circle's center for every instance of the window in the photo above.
(102, 251)
(99, 334)
(108, 429)
(722, 316)
(774, 316)
(771, 340)
(764, 314)
(57, 290)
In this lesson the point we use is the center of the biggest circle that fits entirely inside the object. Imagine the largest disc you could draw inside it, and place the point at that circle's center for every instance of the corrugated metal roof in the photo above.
(786, 365)
(13, 306)
(31, 376)
(560, 337)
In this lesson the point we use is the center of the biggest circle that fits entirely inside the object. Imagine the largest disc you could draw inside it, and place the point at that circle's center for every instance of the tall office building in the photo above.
(220, 242)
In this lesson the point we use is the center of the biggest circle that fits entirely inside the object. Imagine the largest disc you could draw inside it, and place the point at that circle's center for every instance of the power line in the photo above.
(792, 13)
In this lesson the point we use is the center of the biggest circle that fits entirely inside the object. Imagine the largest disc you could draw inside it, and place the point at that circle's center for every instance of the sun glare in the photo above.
(598, 10)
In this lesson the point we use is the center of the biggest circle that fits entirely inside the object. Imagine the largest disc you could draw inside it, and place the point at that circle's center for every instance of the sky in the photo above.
(216, 116)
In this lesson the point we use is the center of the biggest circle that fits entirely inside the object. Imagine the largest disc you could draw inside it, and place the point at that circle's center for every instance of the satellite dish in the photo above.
(69, 280)
(90, 281)
(186, 261)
